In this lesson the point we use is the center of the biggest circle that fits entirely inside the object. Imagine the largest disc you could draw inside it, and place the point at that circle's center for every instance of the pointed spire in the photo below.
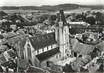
(61, 17)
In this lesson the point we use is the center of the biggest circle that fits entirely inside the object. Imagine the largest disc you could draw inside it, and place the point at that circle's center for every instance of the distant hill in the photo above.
(51, 8)
(93, 6)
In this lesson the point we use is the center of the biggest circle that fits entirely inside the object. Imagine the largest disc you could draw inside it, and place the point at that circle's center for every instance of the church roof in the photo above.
(41, 41)
(47, 54)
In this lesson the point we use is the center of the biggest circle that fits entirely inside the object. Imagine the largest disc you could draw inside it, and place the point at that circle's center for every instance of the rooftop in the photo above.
(47, 54)
(41, 41)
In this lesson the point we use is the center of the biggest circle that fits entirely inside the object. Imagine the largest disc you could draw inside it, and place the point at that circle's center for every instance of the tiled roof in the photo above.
(2, 59)
(3, 42)
(3, 48)
(9, 35)
(100, 46)
(1, 36)
(2, 13)
(15, 17)
(47, 54)
(35, 70)
(42, 41)
(10, 64)
(16, 39)
(81, 48)
(5, 58)
(18, 43)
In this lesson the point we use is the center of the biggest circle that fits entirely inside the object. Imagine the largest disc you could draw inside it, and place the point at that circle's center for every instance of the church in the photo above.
(52, 47)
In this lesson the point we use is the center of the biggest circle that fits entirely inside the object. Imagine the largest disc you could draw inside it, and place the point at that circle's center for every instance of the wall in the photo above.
(53, 59)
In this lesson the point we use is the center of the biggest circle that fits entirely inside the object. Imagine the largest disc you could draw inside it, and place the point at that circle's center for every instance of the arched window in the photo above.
(29, 51)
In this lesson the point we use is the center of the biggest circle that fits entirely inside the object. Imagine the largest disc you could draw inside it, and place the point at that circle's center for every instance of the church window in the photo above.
(29, 50)
(42, 49)
(37, 52)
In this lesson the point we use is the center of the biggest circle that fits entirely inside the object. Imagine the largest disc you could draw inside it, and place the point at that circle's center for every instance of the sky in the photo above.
(48, 2)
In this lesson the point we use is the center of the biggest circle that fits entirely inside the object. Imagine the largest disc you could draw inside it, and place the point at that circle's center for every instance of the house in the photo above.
(78, 24)
(81, 49)
(3, 48)
(2, 14)
(7, 56)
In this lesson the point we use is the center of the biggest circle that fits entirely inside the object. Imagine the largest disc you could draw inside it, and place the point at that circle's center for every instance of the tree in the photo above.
(91, 20)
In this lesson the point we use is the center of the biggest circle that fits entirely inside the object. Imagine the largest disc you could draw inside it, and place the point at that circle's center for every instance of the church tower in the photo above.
(62, 35)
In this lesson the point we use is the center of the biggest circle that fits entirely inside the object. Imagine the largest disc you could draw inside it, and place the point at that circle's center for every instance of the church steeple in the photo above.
(62, 33)
(61, 19)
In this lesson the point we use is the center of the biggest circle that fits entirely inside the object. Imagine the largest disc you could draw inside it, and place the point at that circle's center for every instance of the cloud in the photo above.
(47, 2)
